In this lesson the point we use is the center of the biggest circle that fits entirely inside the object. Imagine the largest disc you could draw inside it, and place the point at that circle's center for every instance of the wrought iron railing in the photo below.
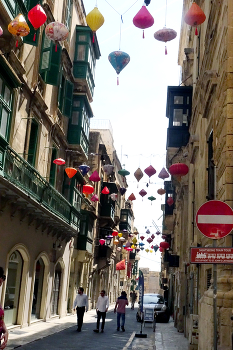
(24, 176)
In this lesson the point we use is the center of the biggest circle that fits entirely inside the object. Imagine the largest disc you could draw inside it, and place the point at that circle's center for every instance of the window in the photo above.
(75, 117)
(81, 54)
(14, 7)
(178, 100)
(65, 96)
(32, 148)
(68, 14)
(33, 37)
(5, 108)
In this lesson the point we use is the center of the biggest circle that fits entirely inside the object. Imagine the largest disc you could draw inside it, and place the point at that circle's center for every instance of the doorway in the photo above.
(37, 291)
(56, 290)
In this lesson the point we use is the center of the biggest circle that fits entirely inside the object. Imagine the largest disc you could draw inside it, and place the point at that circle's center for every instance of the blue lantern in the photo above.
(118, 60)
(84, 169)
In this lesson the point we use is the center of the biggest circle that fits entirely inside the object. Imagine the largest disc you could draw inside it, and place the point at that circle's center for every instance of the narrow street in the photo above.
(64, 335)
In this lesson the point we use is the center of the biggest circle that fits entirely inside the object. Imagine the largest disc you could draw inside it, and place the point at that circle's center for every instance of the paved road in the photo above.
(69, 339)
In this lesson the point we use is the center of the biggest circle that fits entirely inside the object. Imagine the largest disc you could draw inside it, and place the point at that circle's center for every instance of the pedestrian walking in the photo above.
(133, 297)
(101, 309)
(121, 303)
(80, 303)
(3, 329)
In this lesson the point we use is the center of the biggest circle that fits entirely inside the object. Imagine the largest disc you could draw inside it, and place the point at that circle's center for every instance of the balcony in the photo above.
(85, 238)
(35, 189)
(125, 220)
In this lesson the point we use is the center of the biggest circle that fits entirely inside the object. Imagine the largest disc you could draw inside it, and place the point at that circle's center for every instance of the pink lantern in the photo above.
(108, 169)
(59, 161)
(149, 240)
(158, 233)
(170, 201)
(143, 19)
(165, 34)
(95, 198)
(142, 193)
(94, 177)
(150, 170)
(130, 249)
(102, 241)
(163, 174)
(1, 31)
(113, 196)
(56, 32)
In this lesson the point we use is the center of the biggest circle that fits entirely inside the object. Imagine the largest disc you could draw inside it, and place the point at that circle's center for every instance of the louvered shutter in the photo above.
(68, 99)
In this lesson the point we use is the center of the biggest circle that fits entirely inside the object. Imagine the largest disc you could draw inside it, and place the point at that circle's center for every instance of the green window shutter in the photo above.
(52, 175)
(61, 91)
(33, 143)
(50, 61)
(68, 99)
(29, 38)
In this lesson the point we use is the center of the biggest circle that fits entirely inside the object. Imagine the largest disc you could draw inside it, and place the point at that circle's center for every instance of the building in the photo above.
(151, 281)
(200, 135)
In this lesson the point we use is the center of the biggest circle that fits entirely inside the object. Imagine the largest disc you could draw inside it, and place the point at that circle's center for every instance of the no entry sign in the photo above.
(215, 219)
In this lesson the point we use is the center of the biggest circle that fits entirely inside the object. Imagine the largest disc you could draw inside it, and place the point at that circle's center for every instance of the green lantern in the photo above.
(123, 172)
(151, 198)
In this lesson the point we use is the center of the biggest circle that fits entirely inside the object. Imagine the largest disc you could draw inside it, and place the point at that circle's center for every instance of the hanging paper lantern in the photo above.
(142, 193)
(122, 239)
(164, 236)
(18, 27)
(125, 231)
(142, 248)
(156, 247)
(148, 231)
(108, 169)
(164, 245)
(84, 169)
(105, 190)
(136, 233)
(132, 197)
(37, 17)
(118, 60)
(147, 250)
(133, 246)
(151, 198)
(122, 190)
(115, 233)
(178, 170)
(194, 16)
(113, 196)
(138, 174)
(161, 191)
(138, 250)
(95, 198)
(141, 244)
(161, 249)
(158, 233)
(152, 247)
(152, 236)
(123, 172)
(59, 161)
(109, 237)
(115, 241)
(165, 34)
(143, 19)
(128, 245)
(56, 32)
(149, 240)
(88, 189)
(94, 20)
(163, 174)
(120, 265)
(130, 235)
(1, 31)
(70, 172)
(120, 234)
(130, 249)
(118, 249)
(94, 177)
(102, 241)
(170, 201)
(142, 237)
(150, 170)
(134, 240)
(151, 251)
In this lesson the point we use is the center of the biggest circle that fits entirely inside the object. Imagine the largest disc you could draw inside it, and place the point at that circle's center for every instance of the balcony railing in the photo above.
(24, 176)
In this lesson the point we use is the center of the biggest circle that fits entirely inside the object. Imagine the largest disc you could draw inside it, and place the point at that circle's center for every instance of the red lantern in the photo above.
(195, 16)
(152, 236)
(94, 177)
(102, 241)
(170, 201)
(143, 19)
(142, 237)
(70, 172)
(149, 240)
(150, 170)
(132, 197)
(115, 233)
(59, 161)
(161, 249)
(105, 190)
(88, 189)
(142, 193)
(37, 17)
(178, 170)
(164, 245)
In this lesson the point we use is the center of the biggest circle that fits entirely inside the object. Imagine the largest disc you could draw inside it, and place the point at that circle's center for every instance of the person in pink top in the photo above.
(121, 303)
(3, 330)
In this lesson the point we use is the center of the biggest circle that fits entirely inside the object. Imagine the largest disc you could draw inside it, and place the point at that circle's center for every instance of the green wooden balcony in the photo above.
(20, 173)
(107, 210)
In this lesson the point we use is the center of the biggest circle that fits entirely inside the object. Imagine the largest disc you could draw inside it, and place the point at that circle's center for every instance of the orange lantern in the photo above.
(70, 172)
(195, 16)
(161, 191)
(19, 27)
(88, 189)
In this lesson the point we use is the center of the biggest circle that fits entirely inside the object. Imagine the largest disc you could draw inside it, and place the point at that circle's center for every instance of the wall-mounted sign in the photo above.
(211, 255)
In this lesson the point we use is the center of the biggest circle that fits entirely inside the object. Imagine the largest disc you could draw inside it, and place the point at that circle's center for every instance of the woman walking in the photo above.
(121, 303)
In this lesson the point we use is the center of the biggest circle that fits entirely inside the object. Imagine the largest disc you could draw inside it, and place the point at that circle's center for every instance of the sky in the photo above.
(136, 108)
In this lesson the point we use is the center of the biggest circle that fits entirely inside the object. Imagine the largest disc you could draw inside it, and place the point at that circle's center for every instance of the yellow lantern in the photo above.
(120, 234)
(94, 20)
(147, 250)
(134, 240)
(19, 27)
(133, 246)
(151, 251)
(115, 241)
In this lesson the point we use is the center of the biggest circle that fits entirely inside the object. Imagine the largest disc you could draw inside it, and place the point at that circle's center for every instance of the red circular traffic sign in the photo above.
(215, 219)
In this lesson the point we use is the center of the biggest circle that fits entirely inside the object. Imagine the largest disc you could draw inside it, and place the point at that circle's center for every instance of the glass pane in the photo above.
(81, 52)
(4, 122)
(82, 37)
(75, 117)
(7, 95)
(187, 100)
(1, 86)
(177, 117)
(76, 103)
(178, 100)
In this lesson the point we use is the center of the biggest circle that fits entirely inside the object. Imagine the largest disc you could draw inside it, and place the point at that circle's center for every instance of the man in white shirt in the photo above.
(101, 308)
(80, 302)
